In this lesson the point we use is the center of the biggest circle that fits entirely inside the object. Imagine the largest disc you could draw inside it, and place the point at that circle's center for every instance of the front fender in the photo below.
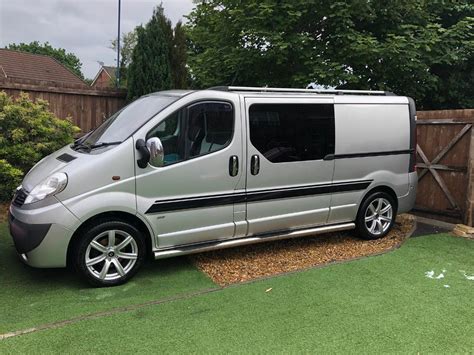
(117, 197)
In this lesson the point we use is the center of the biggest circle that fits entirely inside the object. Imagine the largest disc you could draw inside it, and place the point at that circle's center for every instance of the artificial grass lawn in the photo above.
(377, 304)
(29, 297)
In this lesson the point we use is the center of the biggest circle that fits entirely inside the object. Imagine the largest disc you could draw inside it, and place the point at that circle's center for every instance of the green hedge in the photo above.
(28, 132)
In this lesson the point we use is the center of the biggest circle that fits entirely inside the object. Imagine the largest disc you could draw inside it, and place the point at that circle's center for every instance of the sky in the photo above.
(83, 27)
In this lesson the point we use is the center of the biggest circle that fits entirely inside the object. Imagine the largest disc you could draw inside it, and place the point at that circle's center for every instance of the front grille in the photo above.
(19, 198)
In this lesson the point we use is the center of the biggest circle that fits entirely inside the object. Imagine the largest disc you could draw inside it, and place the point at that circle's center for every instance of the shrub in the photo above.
(28, 132)
(10, 178)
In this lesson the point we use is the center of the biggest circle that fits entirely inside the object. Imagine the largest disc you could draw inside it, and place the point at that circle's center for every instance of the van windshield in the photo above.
(125, 122)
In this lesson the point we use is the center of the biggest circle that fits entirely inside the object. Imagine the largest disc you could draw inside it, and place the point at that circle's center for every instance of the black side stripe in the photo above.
(255, 196)
(196, 202)
(369, 154)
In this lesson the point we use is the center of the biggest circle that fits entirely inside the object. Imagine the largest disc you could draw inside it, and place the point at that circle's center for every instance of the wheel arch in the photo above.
(381, 188)
(362, 230)
(111, 215)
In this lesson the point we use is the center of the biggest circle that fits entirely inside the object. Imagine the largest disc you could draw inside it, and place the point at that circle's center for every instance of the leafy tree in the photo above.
(88, 81)
(456, 81)
(418, 48)
(150, 67)
(28, 132)
(70, 60)
(127, 44)
(455, 86)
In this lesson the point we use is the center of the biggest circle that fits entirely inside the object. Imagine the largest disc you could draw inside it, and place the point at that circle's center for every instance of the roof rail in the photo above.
(289, 90)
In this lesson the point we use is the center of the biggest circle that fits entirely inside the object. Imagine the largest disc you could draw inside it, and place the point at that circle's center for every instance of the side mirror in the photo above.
(155, 147)
(144, 153)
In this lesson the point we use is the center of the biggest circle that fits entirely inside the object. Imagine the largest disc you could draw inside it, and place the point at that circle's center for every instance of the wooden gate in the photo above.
(444, 165)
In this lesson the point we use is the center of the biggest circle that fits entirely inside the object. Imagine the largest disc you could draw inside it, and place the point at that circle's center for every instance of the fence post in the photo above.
(469, 216)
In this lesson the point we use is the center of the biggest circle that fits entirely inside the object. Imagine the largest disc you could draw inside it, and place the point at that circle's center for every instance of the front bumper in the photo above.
(41, 235)
(26, 237)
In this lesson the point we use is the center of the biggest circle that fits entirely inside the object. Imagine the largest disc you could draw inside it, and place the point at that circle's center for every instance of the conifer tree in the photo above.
(179, 57)
(150, 68)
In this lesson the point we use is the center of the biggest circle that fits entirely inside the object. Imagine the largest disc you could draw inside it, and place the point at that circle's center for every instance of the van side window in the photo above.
(292, 132)
(197, 130)
(170, 133)
(210, 127)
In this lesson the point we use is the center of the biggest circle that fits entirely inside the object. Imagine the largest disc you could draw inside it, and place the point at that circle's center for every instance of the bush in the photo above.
(28, 132)
(10, 178)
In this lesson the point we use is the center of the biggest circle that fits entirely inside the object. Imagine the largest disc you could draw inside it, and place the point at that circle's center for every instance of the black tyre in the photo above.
(109, 253)
(376, 216)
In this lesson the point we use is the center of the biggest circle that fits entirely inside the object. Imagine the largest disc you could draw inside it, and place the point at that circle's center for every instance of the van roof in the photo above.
(267, 90)
(339, 96)
(174, 93)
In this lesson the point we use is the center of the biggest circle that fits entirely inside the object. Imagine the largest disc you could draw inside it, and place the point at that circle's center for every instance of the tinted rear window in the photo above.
(292, 132)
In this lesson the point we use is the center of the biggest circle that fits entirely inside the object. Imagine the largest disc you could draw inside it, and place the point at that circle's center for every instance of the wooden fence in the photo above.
(445, 162)
(88, 107)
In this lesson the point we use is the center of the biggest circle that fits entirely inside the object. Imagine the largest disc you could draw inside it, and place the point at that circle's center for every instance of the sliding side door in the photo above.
(289, 183)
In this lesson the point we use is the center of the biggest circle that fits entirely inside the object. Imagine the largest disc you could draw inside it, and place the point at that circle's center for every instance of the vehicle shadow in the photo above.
(15, 274)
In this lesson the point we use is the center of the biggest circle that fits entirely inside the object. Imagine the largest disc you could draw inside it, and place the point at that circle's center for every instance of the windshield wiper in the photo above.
(102, 144)
(79, 141)
(80, 145)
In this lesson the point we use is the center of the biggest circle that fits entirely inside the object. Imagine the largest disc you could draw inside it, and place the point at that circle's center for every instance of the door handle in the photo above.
(233, 165)
(255, 165)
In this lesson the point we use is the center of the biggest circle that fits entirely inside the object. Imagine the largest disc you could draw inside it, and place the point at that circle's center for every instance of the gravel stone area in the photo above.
(240, 264)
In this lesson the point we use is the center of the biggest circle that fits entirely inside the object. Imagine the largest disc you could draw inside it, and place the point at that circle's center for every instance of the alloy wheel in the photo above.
(111, 255)
(378, 216)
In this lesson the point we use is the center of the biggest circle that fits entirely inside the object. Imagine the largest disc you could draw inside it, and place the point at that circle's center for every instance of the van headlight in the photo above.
(52, 185)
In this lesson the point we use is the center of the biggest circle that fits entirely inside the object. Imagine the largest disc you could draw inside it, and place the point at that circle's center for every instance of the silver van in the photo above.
(180, 172)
